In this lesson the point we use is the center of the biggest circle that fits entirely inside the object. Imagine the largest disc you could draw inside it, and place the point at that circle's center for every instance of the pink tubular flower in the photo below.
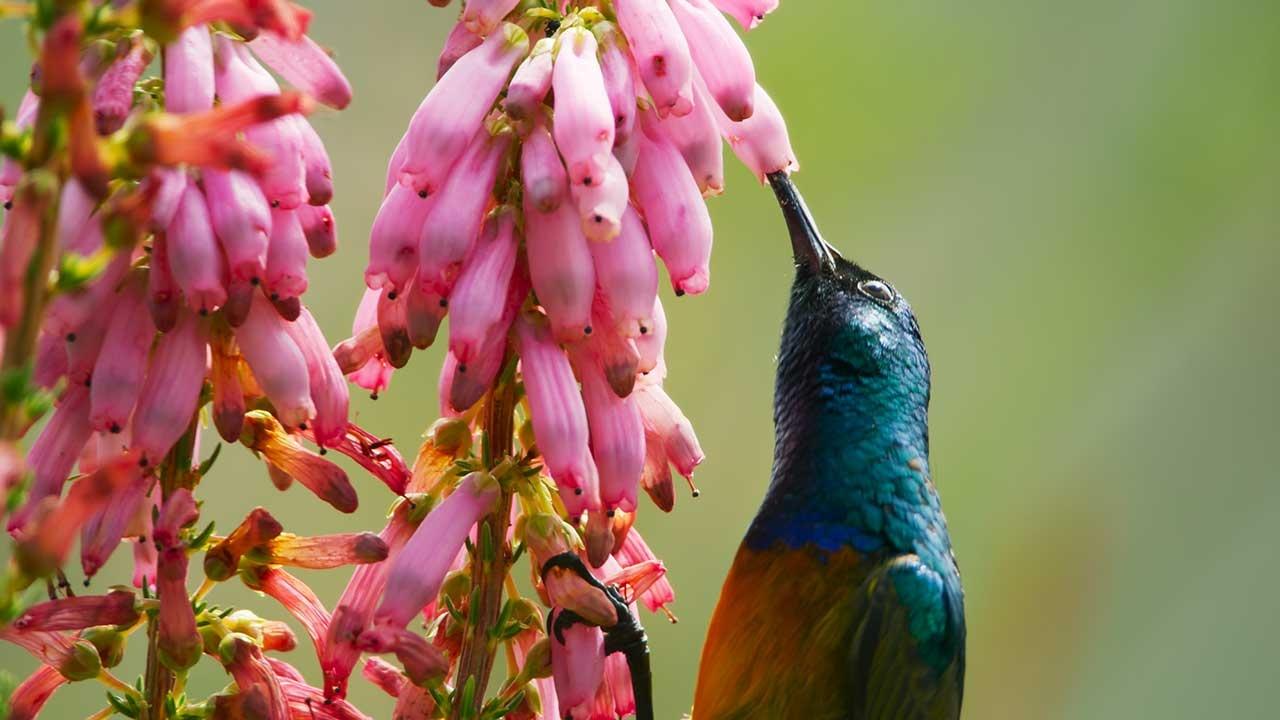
(28, 699)
(416, 572)
(385, 676)
(354, 609)
(664, 418)
(172, 388)
(102, 535)
(483, 16)
(459, 42)
(545, 179)
(697, 137)
(304, 64)
(194, 258)
(633, 552)
(188, 71)
(679, 225)
(451, 226)
(163, 296)
(241, 221)
(286, 277)
(78, 613)
(748, 13)
(577, 662)
(449, 116)
(320, 229)
(584, 127)
(530, 84)
(178, 640)
(277, 363)
(123, 359)
(51, 360)
(617, 440)
(476, 303)
(17, 242)
(393, 326)
(628, 277)
(393, 241)
(296, 598)
(661, 53)
(560, 269)
(328, 386)
(556, 409)
(245, 663)
(472, 379)
(322, 552)
(263, 434)
(722, 60)
(113, 93)
(54, 452)
(362, 356)
(650, 345)
(761, 142)
(78, 231)
(315, 161)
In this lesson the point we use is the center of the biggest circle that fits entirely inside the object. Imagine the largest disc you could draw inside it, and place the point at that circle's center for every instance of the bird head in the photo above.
(843, 318)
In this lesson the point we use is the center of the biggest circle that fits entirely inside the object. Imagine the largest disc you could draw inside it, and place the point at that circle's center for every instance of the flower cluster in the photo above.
(565, 149)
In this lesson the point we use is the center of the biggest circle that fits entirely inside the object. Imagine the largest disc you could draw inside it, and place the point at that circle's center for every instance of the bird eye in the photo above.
(876, 290)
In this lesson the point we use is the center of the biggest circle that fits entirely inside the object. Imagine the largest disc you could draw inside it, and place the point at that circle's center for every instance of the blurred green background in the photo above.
(1081, 200)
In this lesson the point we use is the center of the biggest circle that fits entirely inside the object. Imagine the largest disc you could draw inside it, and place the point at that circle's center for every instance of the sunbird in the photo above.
(844, 599)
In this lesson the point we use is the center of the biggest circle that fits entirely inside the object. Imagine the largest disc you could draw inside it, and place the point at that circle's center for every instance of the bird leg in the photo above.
(626, 636)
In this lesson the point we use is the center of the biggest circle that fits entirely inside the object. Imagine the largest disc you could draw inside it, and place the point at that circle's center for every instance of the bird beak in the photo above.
(810, 249)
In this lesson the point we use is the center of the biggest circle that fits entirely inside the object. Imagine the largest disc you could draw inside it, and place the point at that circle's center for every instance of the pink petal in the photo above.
(678, 222)
(305, 65)
(561, 269)
(761, 142)
(286, 275)
(328, 386)
(720, 56)
(545, 179)
(529, 86)
(661, 53)
(171, 390)
(188, 71)
(577, 662)
(278, 365)
(583, 117)
(121, 364)
(194, 258)
(241, 220)
(477, 300)
(627, 276)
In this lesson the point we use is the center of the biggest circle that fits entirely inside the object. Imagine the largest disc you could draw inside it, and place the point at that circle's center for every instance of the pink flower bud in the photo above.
(178, 640)
(69, 311)
(449, 116)
(583, 117)
(650, 345)
(720, 56)
(315, 159)
(30, 696)
(194, 258)
(459, 42)
(761, 142)
(477, 300)
(78, 613)
(305, 65)
(263, 434)
(454, 221)
(601, 204)
(627, 277)
(328, 386)
(560, 268)
(679, 225)
(529, 86)
(384, 676)
(254, 677)
(577, 662)
(171, 389)
(101, 535)
(188, 71)
(482, 16)
(545, 179)
(241, 220)
(113, 93)
(662, 417)
(323, 552)
(84, 344)
(619, 72)
(393, 241)
(661, 53)
(123, 359)
(277, 363)
(78, 232)
(697, 137)
(375, 372)
(17, 243)
(556, 410)
(286, 276)
(609, 352)
(320, 229)
(474, 377)
(178, 511)
(617, 440)
(296, 597)
(416, 572)
(748, 13)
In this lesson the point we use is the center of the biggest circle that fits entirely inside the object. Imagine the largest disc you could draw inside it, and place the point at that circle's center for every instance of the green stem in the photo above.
(475, 663)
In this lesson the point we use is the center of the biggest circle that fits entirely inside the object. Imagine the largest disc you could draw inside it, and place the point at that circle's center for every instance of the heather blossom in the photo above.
(564, 151)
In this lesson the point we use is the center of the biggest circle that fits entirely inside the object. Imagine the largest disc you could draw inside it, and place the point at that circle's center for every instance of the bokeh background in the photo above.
(1081, 200)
